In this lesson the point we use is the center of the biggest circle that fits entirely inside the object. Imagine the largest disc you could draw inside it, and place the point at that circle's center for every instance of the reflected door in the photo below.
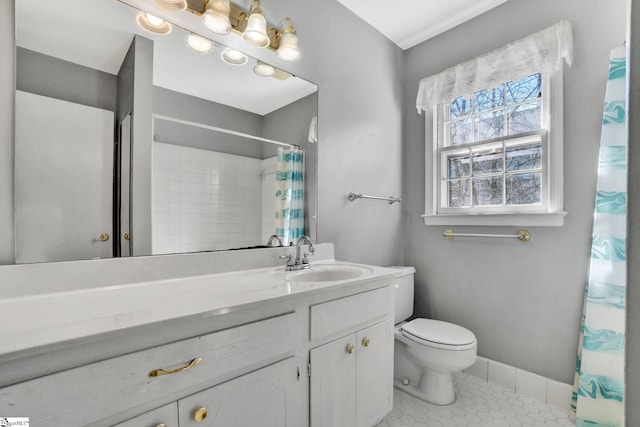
(64, 179)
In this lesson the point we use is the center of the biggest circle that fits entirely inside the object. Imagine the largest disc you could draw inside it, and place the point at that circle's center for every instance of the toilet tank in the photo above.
(403, 294)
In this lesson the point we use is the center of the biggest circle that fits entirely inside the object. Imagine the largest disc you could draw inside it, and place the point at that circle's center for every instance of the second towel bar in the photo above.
(391, 200)
(523, 235)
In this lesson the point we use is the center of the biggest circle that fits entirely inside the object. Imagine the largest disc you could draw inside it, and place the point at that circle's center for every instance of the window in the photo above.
(490, 148)
(493, 130)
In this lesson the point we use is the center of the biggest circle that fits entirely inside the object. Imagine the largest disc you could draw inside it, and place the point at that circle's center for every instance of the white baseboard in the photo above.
(554, 393)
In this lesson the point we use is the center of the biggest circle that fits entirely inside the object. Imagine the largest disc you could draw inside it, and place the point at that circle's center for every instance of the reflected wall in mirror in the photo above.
(194, 153)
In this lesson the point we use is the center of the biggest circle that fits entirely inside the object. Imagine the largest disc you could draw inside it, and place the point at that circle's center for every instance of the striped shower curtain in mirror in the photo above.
(598, 397)
(290, 194)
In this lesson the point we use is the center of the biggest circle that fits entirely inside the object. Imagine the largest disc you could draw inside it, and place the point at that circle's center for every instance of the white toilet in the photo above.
(427, 352)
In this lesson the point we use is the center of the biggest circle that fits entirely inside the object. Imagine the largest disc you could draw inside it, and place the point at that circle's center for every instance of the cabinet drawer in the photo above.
(166, 415)
(92, 392)
(347, 314)
(268, 397)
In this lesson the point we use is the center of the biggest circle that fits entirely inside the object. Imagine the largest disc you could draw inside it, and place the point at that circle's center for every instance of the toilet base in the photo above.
(433, 387)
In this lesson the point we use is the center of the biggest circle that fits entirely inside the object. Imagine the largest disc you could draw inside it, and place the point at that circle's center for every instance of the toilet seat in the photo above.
(438, 334)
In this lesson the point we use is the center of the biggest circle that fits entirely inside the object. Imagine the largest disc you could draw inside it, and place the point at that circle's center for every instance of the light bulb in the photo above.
(288, 49)
(233, 57)
(153, 24)
(154, 20)
(255, 32)
(171, 5)
(216, 17)
(198, 43)
(264, 70)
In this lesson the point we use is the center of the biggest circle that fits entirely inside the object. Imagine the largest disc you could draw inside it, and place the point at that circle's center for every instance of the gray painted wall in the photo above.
(523, 301)
(178, 105)
(359, 74)
(48, 76)
(7, 102)
(632, 393)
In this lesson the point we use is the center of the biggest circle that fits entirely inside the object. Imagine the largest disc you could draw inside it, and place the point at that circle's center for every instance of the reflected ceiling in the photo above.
(97, 34)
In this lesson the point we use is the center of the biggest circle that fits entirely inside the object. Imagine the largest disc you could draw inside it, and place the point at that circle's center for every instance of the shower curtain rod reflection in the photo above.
(391, 200)
(223, 130)
(522, 235)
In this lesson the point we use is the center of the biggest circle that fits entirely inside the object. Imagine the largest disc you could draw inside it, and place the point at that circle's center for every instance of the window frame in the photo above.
(549, 213)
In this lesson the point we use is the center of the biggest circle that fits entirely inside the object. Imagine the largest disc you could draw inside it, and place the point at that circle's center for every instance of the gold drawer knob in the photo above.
(200, 414)
(366, 342)
(349, 348)
(161, 425)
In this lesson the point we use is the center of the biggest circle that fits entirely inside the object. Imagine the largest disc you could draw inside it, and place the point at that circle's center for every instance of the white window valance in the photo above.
(541, 52)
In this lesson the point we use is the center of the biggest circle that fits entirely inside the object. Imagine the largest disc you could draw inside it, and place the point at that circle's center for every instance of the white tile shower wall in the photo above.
(527, 383)
(204, 200)
(268, 197)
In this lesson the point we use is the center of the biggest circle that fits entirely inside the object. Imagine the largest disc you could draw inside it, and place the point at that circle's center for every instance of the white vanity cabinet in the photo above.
(234, 351)
(97, 393)
(351, 378)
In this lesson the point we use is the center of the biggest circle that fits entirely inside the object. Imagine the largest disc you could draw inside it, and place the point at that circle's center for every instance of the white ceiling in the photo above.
(410, 22)
(62, 29)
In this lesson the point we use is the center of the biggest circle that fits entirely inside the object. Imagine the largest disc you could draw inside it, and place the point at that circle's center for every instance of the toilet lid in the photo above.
(439, 332)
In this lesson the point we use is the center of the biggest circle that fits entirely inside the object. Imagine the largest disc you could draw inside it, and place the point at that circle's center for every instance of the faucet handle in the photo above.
(305, 260)
(289, 259)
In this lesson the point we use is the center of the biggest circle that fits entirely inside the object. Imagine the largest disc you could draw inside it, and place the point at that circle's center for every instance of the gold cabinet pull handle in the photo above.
(161, 425)
(200, 414)
(158, 372)
(126, 236)
(366, 342)
(349, 348)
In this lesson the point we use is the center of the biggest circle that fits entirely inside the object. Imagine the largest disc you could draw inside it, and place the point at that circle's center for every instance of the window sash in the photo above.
(531, 138)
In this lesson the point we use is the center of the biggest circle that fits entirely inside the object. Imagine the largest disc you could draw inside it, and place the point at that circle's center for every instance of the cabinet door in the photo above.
(374, 374)
(333, 378)
(166, 416)
(269, 397)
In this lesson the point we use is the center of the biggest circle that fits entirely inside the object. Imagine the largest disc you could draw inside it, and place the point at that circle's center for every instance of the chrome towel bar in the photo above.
(523, 235)
(391, 200)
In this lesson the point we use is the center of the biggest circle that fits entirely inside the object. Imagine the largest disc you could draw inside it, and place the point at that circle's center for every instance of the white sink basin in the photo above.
(328, 273)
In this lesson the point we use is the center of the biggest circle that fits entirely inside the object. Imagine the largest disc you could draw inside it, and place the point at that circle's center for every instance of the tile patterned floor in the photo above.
(478, 404)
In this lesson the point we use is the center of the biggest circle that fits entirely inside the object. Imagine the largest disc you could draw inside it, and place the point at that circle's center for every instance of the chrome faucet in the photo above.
(301, 262)
(276, 238)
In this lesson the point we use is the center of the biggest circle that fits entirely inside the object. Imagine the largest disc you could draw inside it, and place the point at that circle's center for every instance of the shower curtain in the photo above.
(290, 194)
(598, 397)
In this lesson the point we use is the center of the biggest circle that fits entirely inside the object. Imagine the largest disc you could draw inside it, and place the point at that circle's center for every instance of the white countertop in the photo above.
(47, 318)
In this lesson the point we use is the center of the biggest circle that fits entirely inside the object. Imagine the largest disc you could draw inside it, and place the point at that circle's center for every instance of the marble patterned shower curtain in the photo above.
(290, 194)
(598, 397)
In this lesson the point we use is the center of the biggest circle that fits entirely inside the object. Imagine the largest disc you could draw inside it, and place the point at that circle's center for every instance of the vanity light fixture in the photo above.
(264, 70)
(171, 5)
(286, 41)
(216, 16)
(198, 43)
(153, 24)
(233, 57)
(224, 17)
(255, 32)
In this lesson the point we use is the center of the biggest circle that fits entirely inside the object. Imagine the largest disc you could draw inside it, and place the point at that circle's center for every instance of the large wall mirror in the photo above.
(130, 143)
